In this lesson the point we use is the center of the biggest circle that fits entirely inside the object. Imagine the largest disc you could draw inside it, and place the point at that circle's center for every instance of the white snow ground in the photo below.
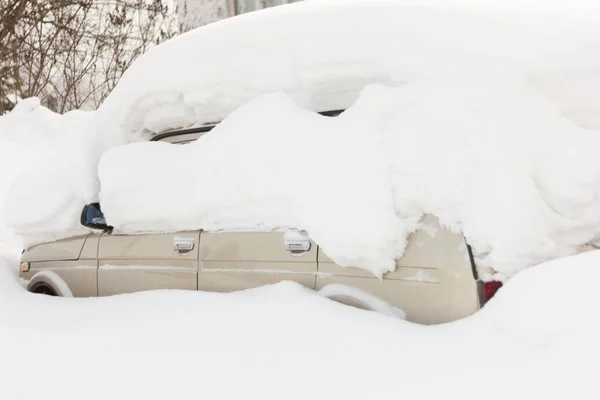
(538, 338)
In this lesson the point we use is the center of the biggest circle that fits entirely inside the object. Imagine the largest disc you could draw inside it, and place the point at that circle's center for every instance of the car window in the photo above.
(94, 215)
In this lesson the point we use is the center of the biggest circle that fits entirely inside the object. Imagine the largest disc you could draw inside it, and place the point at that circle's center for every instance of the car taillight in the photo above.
(489, 290)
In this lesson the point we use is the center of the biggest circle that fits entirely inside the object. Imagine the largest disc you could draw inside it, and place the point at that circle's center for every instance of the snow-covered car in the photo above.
(443, 145)
(435, 281)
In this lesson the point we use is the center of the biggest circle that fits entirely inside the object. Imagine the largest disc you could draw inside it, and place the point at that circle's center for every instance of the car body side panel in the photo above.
(425, 303)
(146, 262)
(158, 246)
(227, 276)
(250, 246)
(433, 281)
(237, 261)
(430, 248)
(60, 250)
(61, 257)
(126, 276)
(90, 247)
(79, 275)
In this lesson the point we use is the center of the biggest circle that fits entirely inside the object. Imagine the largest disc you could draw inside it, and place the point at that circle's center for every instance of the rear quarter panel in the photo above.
(433, 281)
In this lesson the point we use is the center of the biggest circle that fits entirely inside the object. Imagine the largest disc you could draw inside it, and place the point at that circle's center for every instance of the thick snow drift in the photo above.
(495, 160)
(538, 338)
(493, 163)
(42, 161)
(323, 54)
(47, 156)
(270, 166)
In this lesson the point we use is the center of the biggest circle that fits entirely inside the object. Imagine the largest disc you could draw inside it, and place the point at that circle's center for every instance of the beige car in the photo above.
(435, 281)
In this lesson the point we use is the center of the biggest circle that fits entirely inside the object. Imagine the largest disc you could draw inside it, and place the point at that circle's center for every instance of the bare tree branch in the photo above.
(71, 53)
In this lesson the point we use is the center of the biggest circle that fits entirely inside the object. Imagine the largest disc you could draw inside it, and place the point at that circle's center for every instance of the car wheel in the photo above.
(42, 288)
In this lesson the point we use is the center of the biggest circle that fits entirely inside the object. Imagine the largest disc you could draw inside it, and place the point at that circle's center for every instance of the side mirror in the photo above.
(92, 217)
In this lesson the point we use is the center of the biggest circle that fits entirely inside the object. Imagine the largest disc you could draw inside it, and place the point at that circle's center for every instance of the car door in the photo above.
(237, 261)
(131, 263)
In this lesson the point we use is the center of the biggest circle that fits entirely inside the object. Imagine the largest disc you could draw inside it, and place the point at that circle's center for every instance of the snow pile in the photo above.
(269, 166)
(495, 160)
(26, 136)
(323, 53)
(445, 137)
(44, 157)
(546, 303)
(260, 343)
(29, 121)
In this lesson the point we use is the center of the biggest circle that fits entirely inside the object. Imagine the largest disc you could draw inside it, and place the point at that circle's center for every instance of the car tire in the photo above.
(43, 288)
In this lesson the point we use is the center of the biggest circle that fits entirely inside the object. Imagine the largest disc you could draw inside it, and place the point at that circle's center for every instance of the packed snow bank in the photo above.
(488, 158)
(44, 159)
(538, 338)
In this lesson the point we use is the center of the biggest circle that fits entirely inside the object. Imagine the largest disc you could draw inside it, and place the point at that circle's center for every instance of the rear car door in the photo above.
(237, 261)
(146, 262)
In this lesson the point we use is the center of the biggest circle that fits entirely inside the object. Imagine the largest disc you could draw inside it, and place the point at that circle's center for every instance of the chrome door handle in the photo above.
(183, 245)
(296, 243)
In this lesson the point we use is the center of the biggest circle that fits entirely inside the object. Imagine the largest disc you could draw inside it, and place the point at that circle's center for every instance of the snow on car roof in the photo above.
(324, 53)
